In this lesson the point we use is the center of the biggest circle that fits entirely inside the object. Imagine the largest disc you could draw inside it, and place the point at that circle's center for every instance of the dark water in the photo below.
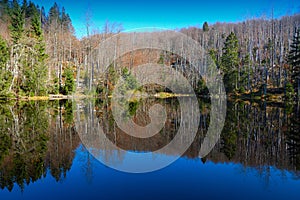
(42, 157)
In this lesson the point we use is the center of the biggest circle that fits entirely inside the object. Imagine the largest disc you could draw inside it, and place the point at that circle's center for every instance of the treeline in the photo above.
(40, 53)
(36, 50)
(254, 55)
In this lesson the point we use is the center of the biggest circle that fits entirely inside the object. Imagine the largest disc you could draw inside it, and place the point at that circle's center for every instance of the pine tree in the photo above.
(294, 60)
(40, 69)
(230, 62)
(35, 72)
(5, 76)
(66, 21)
(43, 17)
(4, 8)
(69, 86)
(30, 11)
(54, 15)
(4, 53)
(205, 27)
(17, 22)
(24, 8)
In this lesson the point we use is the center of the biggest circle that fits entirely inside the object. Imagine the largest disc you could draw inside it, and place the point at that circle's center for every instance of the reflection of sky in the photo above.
(168, 14)
(184, 179)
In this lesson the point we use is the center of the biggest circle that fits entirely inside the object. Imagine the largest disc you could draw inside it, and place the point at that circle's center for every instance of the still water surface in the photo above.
(42, 157)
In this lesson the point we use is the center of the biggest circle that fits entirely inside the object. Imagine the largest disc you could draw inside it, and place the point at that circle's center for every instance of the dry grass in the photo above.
(38, 98)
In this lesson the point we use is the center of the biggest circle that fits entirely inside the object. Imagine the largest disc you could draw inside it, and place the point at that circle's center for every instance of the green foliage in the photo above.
(5, 76)
(229, 134)
(230, 62)
(26, 154)
(230, 58)
(55, 86)
(5, 145)
(54, 14)
(214, 56)
(205, 27)
(129, 78)
(293, 138)
(66, 21)
(4, 8)
(294, 59)
(17, 22)
(289, 94)
(112, 75)
(229, 144)
(4, 53)
(133, 106)
(32, 70)
(36, 27)
(35, 73)
(161, 59)
(5, 81)
(69, 86)
(100, 89)
(68, 114)
(242, 89)
(128, 82)
(30, 10)
(201, 87)
(246, 60)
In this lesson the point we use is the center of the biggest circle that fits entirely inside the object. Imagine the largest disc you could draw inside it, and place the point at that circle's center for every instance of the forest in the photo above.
(41, 56)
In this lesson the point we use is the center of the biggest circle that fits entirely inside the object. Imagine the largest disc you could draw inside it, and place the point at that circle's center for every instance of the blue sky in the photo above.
(167, 14)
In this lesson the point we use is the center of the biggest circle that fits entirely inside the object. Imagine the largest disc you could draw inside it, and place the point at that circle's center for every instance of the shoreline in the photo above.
(269, 97)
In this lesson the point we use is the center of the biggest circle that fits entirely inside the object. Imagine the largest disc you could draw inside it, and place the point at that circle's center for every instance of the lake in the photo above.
(43, 152)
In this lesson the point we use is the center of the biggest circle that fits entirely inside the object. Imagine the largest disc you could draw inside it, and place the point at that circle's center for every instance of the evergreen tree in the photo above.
(31, 10)
(36, 72)
(69, 86)
(54, 15)
(4, 53)
(214, 56)
(294, 60)
(17, 22)
(5, 76)
(66, 21)
(43, 17)
(205, 27)
(230, 62)
(4, 8)
(40, 68)
(24, 8)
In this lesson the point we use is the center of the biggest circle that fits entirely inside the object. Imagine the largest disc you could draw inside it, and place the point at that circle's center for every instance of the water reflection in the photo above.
(35, 137)
(39, 139)
(255, 135)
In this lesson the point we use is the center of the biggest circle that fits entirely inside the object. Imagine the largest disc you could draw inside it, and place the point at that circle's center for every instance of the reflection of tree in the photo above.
(35, 139)
(293, 139)
(26, 140)
(139, 112)
(5, 145)
(229, 144)
(258, 136)
(63, 141)
(25, 143)
(228, 136)
(254, 134)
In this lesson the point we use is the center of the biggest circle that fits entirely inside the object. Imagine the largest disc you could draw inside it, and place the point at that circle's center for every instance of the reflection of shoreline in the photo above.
(44, 140)
(38, 140)
(254, 136)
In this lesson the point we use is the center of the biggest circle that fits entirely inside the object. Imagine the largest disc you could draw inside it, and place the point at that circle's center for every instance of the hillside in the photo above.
(40, 54)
